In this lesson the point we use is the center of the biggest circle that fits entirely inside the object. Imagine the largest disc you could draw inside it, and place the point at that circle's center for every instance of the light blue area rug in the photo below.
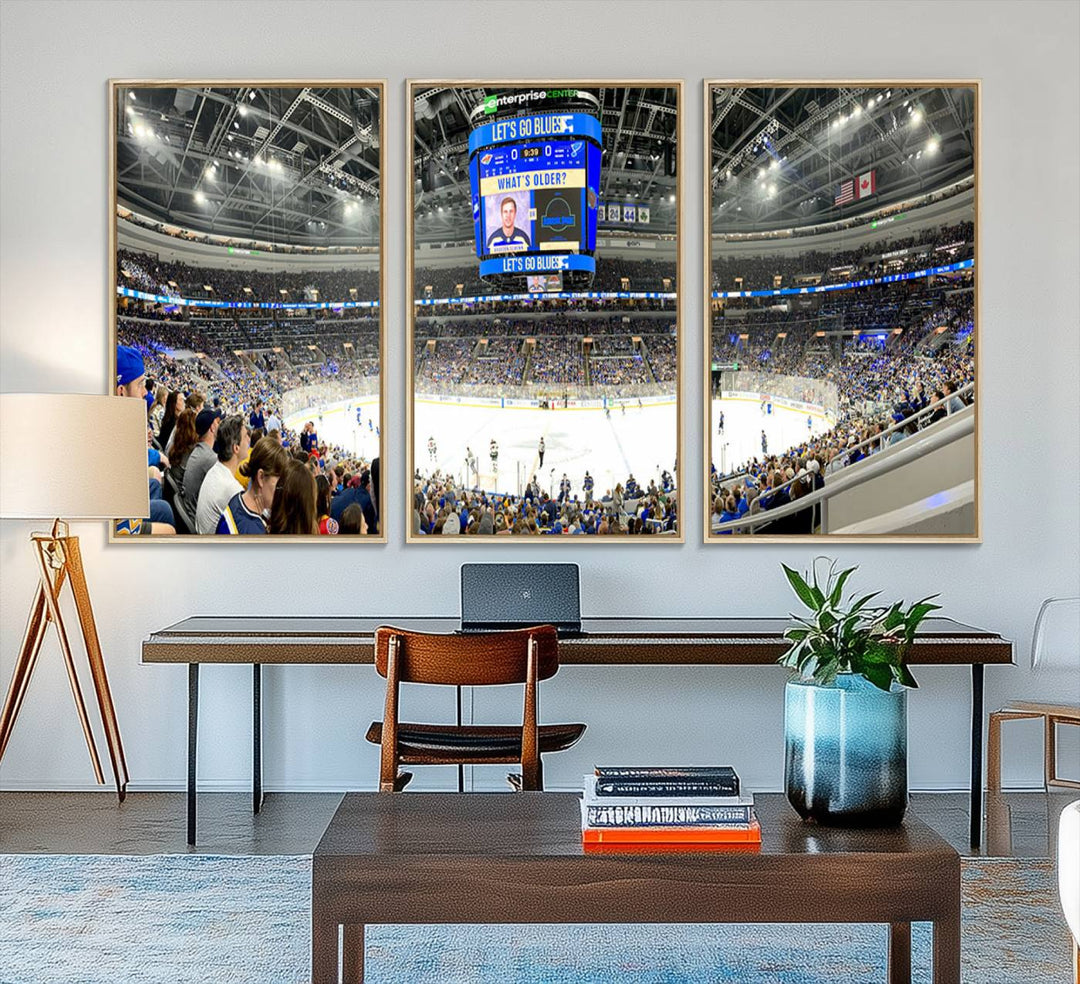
(175, 919)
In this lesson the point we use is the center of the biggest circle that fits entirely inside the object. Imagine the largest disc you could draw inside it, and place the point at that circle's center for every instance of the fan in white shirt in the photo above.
(220, 484)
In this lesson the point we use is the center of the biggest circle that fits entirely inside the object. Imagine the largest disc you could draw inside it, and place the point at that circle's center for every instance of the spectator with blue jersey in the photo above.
(131, 382)
(246, 511)
(257, 421)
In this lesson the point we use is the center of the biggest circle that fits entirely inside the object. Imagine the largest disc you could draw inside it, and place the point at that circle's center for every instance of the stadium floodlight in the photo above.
(916, 117)
(251, 95)
(774, 165)
(200, 197)
(242, 109)
(772, 190)
(932, 145)
(857, 109)
(671, 198)
(131, 96)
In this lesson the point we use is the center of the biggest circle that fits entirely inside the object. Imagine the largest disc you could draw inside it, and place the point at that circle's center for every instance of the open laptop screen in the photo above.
(504, 596)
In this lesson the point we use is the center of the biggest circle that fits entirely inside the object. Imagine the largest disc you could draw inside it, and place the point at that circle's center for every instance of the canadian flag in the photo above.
(866, 185)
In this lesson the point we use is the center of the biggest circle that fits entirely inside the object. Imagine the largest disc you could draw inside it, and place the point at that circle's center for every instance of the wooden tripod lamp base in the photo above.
(58, 560)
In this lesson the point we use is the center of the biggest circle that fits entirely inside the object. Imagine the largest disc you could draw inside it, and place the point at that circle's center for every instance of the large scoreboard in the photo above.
(535, 182)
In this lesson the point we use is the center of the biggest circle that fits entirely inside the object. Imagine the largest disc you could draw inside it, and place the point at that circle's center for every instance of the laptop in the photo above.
(515, 596)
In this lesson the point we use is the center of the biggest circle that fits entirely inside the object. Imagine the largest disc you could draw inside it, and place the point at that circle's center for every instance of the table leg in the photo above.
(256, 738)
(900, 953)
(947, 950)
(976, 753)
(193, 744)
(352, 955)
(324, 949)
(461, 766)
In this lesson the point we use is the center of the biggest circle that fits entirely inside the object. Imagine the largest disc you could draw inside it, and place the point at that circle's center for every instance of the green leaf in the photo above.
(903, 675)
(801, 588)
(877, 653)
(838, 590)
(862, 601)
(893, 618)
(880, 676)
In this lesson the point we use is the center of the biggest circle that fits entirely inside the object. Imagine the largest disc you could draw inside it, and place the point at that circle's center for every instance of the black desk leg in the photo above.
(256, 738)
(461, 767)
(976, 753)
(192, 748)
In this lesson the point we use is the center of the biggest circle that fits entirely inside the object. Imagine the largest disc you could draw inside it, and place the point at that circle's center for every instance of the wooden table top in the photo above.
(604, 640)
(388, 827)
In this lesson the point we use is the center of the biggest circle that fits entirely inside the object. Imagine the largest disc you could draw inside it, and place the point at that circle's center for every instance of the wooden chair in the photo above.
(1057, 619)
(485, 659)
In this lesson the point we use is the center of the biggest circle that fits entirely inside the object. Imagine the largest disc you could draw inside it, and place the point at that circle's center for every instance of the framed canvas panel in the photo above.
(247, 281)
(544, 249)
(841, 317)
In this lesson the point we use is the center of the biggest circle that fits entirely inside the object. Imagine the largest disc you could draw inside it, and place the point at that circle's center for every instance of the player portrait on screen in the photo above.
(508, 236)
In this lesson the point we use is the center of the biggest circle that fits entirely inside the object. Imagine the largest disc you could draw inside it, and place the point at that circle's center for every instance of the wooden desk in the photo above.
(605, 641)
(518, 858)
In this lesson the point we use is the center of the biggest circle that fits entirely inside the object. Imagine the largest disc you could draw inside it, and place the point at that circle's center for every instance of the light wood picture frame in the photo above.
(841, 316)
(247, 263)
(588, 363)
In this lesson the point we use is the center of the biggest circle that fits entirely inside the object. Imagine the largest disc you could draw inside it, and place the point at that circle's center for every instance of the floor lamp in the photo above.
(100, 442)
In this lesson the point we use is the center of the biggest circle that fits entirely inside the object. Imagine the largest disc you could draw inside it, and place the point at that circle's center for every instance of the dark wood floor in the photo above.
(1021, 824)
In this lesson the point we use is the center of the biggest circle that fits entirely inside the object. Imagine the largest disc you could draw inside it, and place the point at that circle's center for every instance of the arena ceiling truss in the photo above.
(287, 165)
(640, 162)
(779, 155)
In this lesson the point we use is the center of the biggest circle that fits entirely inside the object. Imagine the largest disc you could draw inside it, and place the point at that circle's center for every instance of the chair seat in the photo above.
(473, 743)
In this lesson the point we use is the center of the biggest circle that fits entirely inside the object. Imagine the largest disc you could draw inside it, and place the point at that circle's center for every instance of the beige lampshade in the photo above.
(72, 456)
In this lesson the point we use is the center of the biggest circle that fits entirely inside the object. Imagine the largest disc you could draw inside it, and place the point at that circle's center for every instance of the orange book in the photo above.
(748, 834)
(639, 848)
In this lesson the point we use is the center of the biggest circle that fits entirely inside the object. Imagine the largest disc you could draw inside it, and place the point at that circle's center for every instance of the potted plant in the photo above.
(845, 714)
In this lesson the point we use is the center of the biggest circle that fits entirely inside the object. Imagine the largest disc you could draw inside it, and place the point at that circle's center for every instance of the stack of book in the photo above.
(678, 806)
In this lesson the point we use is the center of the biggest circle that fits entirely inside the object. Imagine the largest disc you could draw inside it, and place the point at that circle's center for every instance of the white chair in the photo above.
(1069, 875)
(1055, 646)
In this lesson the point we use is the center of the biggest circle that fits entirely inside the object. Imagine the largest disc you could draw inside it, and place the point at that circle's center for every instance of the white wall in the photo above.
(54, 298)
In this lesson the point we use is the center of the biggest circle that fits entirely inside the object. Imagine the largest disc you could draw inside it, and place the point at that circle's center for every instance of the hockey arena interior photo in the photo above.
(248, 307)
(545, 366)
(842, 311)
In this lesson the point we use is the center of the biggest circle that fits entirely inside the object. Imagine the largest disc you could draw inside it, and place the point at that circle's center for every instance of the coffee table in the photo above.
(433, 858)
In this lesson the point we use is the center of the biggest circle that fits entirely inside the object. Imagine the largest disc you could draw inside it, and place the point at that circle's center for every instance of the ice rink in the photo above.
(350, 424)
(639, 441)
(784, 428)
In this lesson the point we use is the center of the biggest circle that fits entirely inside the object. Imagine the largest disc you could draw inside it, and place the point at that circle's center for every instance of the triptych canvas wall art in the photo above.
(545, 322)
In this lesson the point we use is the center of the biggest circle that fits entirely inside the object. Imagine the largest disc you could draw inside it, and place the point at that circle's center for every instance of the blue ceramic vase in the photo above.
(846, 751)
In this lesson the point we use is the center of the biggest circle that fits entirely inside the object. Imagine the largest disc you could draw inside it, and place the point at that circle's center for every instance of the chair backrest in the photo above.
(468, 660)
(1055, 643)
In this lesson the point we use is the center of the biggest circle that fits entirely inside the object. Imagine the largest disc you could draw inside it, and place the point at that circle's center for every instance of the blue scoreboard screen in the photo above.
(535, 189)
